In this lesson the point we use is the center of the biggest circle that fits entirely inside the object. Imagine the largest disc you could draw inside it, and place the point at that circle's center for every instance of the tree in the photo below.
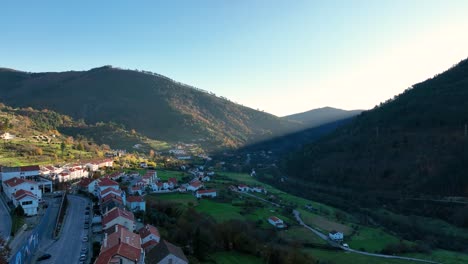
(63, 146)
(4, 251)
(39, 151)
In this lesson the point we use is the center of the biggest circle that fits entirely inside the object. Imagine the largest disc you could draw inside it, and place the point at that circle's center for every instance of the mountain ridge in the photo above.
(153, 104)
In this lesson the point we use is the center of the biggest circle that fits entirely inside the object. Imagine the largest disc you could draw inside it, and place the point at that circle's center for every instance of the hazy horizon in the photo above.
(276, 56)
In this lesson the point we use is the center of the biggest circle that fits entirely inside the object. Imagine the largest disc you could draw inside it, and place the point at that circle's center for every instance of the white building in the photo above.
(205, 193)
(24, 172)
(276, 222)
(27, 200)
(136, 203)
(336, 236)
(11, 186)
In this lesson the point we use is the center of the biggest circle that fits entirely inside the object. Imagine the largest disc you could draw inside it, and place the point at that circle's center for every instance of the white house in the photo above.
(149, 237)
(276, 222)
(7, 136)
(104, 183)
(11, 186)
(194, 185)
(243, 188)
(205, 193)
(336, 236)
(24, 172)
(136, 203)
(118, 216)
(113, 192)
(258, 189)
(166, 253)
(27, 200)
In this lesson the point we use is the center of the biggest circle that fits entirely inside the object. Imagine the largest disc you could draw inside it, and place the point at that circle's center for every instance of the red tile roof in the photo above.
(114, 197)
(85, 182)
(30, 168)
(173, 180)
(22, 194)
(274, 219)
(107, 182)
(115, 213)
(148, 230)
(149, 245)
(17, 181)
(135, 199)
(110, 190)
(196, 184)
(122, 243)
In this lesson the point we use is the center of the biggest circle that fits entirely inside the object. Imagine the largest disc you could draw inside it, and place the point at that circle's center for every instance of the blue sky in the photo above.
(282, 57)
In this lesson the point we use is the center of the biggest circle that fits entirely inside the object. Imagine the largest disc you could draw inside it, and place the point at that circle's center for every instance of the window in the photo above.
(32, 188)
(26, 203)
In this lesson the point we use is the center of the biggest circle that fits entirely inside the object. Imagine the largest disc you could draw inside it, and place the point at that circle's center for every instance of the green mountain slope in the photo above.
(414, 144)
(152, 104)
(321, 116)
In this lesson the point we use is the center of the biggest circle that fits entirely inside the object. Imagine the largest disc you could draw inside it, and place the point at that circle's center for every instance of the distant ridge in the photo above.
(320, 116)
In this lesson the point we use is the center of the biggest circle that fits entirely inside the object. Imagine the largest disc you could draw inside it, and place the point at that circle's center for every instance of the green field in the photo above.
(300, 234)
(371, 239)
(232, 258)
(164, 175)
(181, 198)
(219, 211)
(443, 256)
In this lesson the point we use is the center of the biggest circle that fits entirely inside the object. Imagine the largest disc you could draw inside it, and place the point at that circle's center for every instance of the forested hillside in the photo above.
(152, 104)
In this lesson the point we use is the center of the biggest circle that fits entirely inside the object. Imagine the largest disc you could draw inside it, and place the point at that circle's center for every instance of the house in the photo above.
(135, 190)
(336, 236)
(11, 186)
(166, 253)
(157, 186)
(104, 183)
(136, 203)
(182, 189)
(143, 165)
(110, 202)
(24, 172)
(172, 182)
(84, 183)
(121, 246)
(7, 136)
(119, 216)
(276, 222)
(205, 178)
(115, 176)
(258, 189)
(210, 173)
(243, 188)
(194, 185)
(150, 237)
(113, 192)
(27, 200)
(205, 193)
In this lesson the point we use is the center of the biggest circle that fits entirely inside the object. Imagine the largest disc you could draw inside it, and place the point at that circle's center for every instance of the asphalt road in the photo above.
(324, 237)
(67, 248)
(5, 220)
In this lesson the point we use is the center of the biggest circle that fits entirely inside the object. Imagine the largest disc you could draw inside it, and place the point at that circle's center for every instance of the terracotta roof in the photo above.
(136, 188)
(196, 184)
(117, 212)
(22, 194)
(163, 249)
(274, 219)
(122, 243)
(17, 181)
(160, 184)
(135, 199)
(173, 180)
(111, 197)
(85, 182)
(242, 186)
(148, 230)
(206, 191)
(149, 245)
(30, 168)
(107, 182)
(110, 190)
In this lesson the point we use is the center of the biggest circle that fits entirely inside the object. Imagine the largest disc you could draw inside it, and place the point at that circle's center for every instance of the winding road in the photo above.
(324, 237)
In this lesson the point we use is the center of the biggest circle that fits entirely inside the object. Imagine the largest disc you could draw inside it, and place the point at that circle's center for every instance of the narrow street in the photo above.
(69, 244)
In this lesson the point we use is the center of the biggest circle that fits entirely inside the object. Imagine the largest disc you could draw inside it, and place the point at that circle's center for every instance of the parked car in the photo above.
(44, 257)
(85, 239)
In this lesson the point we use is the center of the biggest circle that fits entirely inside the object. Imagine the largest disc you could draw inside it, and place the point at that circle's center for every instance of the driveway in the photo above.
(5, 219)
(69, 244)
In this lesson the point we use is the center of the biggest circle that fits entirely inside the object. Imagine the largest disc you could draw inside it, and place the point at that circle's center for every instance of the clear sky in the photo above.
(282, 57)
